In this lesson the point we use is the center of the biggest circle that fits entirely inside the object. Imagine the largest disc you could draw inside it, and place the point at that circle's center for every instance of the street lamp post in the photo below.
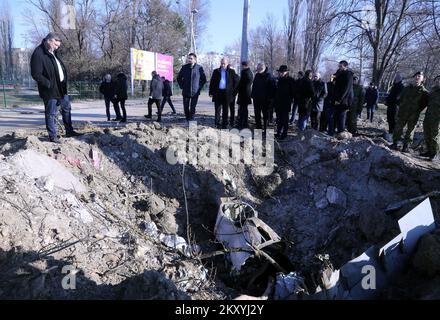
(244, 36)
(193, 37)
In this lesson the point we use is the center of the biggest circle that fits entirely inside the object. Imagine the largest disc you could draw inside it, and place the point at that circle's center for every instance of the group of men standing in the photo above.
(330, 106)
(408, 102)
(324, 104)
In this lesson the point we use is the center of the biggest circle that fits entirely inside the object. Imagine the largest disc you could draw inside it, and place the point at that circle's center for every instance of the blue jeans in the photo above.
(51, 114)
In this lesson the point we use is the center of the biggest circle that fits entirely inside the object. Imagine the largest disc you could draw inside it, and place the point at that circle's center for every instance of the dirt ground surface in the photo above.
(109, 206)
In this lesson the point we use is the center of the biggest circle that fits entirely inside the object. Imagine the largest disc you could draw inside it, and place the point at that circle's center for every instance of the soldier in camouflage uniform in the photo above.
(432, 122)
(413, 101)
(356, 108)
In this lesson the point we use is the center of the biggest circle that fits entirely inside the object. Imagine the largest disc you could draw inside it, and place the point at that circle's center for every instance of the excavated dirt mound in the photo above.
(109, 206)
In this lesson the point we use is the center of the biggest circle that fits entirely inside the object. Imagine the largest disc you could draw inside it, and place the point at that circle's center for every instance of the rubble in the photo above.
(135, 226)
(336, 197)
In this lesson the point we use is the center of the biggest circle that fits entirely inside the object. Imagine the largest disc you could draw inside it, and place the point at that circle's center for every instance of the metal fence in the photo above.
(17, 95)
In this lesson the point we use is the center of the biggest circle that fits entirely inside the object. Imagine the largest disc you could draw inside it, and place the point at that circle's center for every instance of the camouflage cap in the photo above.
(419, 73)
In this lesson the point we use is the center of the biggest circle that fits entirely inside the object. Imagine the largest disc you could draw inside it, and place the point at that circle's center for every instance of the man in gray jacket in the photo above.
(156, 89)
(191, 79)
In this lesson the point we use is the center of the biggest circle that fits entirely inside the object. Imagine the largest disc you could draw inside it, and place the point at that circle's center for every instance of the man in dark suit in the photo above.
(50, 73)
(244, 94)
(343, 94)
(191, 79)
(222, 88)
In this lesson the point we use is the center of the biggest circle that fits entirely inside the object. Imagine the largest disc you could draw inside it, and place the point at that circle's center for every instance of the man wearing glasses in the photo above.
(49, 72)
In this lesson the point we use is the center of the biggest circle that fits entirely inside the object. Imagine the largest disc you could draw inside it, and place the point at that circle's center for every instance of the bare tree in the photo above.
(291, 27)
(388, 24)
(6, 41)
(319, 19)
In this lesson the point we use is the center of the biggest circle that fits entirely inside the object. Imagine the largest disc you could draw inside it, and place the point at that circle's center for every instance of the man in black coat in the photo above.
(107, 89)
(222, 88)
(234, 98)
(263, 90)
(50, 73)
(371, 99)
(300, 75)
(191, 79)
(156, 91)
(283, 101)
(167, 94)
(305, 94)
(320, 89)
(343, 94)
(393, 101)
(244, 95)
(328, 122)
(121, 95)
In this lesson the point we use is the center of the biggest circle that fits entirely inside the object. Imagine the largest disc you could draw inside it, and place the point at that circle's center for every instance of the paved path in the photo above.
(32, 117)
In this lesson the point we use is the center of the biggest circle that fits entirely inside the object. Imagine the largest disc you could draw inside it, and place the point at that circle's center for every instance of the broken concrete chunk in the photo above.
(322, 203)
(155, 205)
(336, 197)
(157, 126)
(344, 136)
(36, 165)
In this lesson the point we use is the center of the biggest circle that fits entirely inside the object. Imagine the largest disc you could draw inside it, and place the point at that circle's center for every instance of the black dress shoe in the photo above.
(73, 134)
(123, 120)
(148, 116)
(394, 147)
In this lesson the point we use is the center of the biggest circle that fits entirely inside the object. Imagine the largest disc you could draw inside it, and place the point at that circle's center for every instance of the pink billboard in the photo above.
(164, 66)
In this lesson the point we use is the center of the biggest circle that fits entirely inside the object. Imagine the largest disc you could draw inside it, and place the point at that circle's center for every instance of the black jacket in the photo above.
(44, 71)
(284, 94)
(231, 84)
(320, 89)
(371, 96)
(167, 90)
(305, 95)
(107, 89)
(329, 99)
(344, 89)
(393, 98)
(121, 87)
(191, 80)
(245, 87)
(156, 87)
(263, 87)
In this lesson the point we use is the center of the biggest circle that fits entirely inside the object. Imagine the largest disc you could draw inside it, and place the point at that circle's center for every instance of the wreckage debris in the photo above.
(111, 206)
